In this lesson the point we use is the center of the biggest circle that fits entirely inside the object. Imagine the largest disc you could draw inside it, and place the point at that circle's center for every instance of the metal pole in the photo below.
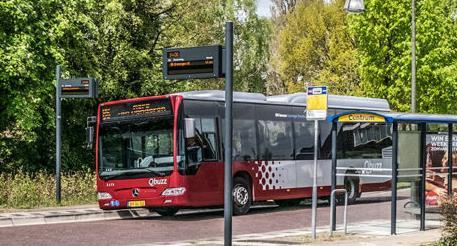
(228, 134)
(58, 134)
(314, 202)
(449, 159)
(332, 216)
(393, 204)
(332, 202)
(423, 159)
(413, 56)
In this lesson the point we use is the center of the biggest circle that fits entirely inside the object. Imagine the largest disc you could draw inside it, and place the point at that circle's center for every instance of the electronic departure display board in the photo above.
(124, 111)
(78, 88)
(193, 63)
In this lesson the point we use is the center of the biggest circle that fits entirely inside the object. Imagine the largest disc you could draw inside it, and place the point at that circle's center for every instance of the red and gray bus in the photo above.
(166, 152)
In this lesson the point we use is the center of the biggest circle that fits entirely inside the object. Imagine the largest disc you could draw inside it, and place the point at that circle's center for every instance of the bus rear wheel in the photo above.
(166, 211)
(352, 187)
(242, 197)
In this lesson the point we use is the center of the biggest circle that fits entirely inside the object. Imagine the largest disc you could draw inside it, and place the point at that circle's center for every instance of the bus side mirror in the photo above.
(190, 127)
(90, 131)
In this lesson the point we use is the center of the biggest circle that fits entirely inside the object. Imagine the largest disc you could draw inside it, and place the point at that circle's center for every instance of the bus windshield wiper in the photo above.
(158, 173)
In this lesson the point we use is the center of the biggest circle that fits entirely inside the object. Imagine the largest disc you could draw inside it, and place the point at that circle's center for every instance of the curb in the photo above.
(68, 216)
(86, 214)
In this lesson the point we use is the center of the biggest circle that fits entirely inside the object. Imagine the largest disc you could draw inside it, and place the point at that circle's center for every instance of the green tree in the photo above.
(113, 40)
(27, 52)
(117, 41)
(383, 38)
(202, 22)
(315, 48)
(279, 11)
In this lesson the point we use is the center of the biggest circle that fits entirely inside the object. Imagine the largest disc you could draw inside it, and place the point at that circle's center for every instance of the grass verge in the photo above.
(27, 190)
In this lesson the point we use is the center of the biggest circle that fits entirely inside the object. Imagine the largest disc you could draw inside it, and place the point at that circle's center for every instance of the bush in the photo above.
(26, 190)
(449, 211)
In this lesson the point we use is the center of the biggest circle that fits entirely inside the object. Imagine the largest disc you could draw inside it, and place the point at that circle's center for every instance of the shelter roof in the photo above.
(391, 117)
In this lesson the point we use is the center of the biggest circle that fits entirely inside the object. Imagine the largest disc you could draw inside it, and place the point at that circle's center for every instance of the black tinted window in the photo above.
(275, 140)
(244, 145)
(304, 140)
(275, 132)
(325, 140)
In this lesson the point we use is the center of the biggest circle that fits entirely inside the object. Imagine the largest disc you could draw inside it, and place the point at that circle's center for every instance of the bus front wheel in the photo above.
(166, 211)
(242, 197)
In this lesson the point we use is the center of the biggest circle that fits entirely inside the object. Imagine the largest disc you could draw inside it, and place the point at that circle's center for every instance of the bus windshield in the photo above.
(136, 149)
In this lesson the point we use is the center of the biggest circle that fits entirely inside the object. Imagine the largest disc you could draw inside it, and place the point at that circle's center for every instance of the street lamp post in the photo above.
(358, 6)
(413, 56)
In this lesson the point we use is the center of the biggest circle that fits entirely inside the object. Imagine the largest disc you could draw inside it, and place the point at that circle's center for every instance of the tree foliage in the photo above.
(203, 22)
(120, 43)
(315, 48)
(383, 37)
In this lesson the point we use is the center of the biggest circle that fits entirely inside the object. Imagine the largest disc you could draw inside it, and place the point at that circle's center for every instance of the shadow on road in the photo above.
(264, 208)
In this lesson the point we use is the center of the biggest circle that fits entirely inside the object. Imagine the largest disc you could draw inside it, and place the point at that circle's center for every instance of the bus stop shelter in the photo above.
(394, 120)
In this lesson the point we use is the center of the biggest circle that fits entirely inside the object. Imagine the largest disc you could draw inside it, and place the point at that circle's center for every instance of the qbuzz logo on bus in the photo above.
(153, 182)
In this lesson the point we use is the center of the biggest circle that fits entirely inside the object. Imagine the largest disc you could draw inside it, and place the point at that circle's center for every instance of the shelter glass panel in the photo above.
(409, 177)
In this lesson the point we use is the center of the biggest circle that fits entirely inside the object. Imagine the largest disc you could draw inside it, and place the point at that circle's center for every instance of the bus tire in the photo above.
(352, 187)
(166, 211)
(242, 196)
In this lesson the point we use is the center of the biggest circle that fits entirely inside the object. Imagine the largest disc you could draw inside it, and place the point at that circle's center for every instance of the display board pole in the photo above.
(58, 134)
(228, 134)
(314, 202)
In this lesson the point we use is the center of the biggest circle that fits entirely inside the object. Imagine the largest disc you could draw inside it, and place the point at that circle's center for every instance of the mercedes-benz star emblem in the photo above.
(135, 192)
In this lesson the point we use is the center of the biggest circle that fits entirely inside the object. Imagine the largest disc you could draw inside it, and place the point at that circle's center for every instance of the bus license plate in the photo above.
(136, 204)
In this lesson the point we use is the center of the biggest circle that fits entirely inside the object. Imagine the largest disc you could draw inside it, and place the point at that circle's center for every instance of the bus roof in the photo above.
(334, 101)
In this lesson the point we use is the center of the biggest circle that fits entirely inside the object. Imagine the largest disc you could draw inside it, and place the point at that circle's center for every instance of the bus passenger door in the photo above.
(205, 169)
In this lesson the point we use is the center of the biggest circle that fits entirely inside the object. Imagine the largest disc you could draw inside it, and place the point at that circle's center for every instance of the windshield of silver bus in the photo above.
(136, 149)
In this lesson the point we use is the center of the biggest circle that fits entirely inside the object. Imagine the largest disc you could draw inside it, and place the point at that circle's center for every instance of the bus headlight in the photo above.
(104, 195)
(174, 191)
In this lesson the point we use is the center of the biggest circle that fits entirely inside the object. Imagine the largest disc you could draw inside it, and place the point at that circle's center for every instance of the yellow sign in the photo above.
(136, 204)
(317, 102)
(362, 117)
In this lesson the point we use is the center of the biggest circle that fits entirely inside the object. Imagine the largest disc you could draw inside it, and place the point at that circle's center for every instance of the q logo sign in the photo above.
(153, 182)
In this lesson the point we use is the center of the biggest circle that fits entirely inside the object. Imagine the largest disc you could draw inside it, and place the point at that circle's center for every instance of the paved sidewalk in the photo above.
(368, 233)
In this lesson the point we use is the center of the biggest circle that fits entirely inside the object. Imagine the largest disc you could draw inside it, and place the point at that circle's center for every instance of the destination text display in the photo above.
(135, 109)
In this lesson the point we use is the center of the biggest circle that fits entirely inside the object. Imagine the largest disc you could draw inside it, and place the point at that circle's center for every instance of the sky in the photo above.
(263, 8)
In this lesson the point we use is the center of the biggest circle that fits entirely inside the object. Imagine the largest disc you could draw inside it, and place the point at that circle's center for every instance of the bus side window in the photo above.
(244, 140)
(304, 140)
(325, 151)
(276, 140)
(208, 135)
(201, 146)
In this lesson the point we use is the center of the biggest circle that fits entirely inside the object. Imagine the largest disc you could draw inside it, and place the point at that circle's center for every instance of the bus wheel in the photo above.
(352, 187)
(166, 211)
(242, 197)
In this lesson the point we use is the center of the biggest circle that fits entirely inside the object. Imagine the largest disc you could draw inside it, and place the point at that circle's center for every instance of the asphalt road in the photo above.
(192, 226)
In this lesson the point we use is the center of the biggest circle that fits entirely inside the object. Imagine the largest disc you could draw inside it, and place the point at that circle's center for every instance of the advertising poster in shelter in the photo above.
(437, 167)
